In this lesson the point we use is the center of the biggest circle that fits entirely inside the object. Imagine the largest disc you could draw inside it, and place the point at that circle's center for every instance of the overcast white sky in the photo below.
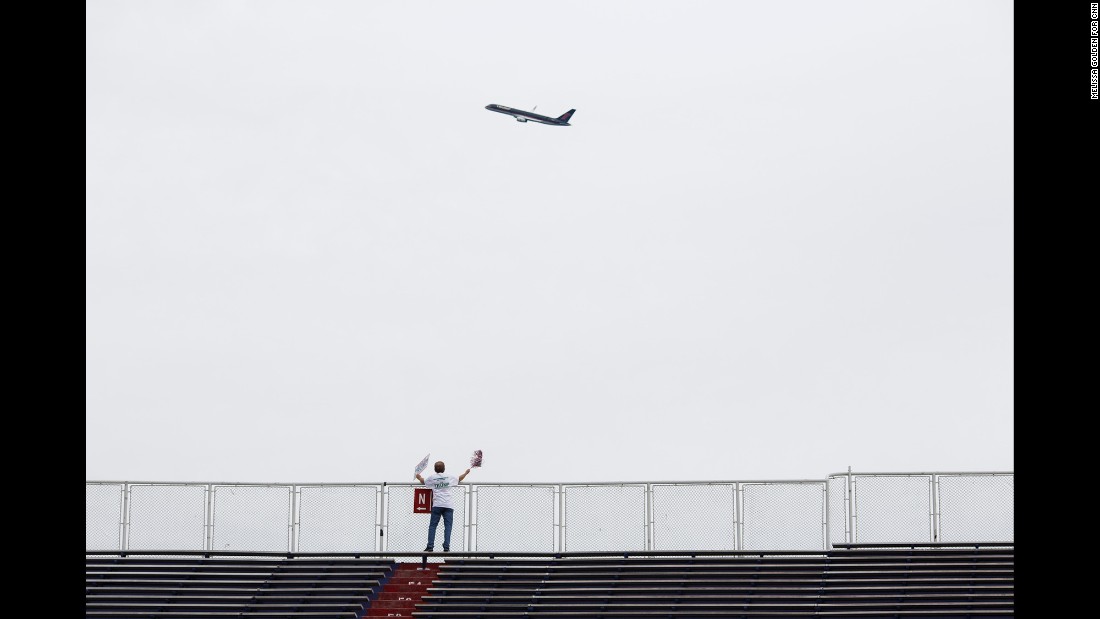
(777, 240)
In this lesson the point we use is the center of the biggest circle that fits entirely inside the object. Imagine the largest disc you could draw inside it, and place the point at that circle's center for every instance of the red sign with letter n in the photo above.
(422, 500)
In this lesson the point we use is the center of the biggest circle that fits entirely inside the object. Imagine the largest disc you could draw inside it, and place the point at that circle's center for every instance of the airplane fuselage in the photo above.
(523, 116)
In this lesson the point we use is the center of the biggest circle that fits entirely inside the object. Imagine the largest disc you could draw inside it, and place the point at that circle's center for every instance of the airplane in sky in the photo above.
(521, 116)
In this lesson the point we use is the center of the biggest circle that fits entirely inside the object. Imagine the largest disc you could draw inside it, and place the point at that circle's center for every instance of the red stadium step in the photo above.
(400, 594)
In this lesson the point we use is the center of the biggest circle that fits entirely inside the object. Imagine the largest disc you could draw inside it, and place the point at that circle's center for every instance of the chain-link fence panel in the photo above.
(838, 509)
(796, 515)
(783, 516)
(408, 532)
(103, 516)
(892, 508)
(514, 518)
(976, 508)
(338, 518)
(693, 516)
(167, 517)
(249, 517)
(611, 517)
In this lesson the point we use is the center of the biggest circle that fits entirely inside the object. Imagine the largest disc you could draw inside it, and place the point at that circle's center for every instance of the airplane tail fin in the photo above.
(566, 116)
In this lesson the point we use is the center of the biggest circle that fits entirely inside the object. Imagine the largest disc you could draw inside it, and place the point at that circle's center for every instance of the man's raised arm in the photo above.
(463, 476)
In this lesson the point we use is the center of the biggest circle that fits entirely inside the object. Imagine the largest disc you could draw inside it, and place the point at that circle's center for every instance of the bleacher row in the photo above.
(915, 583)
(944, 583)
(198, 587)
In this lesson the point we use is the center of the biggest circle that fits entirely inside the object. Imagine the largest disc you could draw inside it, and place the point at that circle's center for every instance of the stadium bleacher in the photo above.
(944, 581)
(852, 581)
(206, 587)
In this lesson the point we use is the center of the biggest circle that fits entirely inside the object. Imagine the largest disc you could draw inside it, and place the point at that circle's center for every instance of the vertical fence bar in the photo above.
(383, 519)
(935, 508)
(561, 509)
(931, 509)
(738, 525)
(295, 519)
(825, 515)
(124, 534)
(209, 544)
(471, 518)
(851, 532)
(649, 516)
(558, 518)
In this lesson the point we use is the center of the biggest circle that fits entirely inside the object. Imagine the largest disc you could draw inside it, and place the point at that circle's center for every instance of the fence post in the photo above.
(851, 533)
(209, 545)
(738, 526)
(935, 508)
(382, 519)
(292, 542)
(561, 510)
(470, 520)
(124, 520)
(649, 516)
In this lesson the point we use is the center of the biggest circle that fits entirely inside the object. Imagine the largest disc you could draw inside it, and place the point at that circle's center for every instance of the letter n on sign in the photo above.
(422, 500)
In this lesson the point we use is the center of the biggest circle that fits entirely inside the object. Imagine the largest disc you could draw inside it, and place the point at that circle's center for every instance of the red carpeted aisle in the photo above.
(409, 583)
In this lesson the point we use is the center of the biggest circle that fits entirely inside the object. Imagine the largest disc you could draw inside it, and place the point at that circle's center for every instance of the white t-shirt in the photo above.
(441, 485)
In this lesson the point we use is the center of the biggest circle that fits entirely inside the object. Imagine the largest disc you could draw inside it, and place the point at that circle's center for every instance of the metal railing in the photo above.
(567, 517)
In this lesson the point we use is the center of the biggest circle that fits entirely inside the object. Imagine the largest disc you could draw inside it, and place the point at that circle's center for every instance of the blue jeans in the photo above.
(448, 517)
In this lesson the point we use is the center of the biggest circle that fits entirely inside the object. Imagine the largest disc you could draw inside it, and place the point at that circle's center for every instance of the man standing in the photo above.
(442, 503)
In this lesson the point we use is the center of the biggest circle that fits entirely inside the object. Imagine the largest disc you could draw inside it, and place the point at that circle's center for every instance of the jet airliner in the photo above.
(521, 116)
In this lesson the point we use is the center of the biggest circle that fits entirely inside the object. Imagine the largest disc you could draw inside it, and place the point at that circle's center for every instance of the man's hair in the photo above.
(440, 467)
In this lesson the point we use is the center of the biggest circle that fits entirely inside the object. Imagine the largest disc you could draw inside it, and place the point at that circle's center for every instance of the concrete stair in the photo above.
(406, 587)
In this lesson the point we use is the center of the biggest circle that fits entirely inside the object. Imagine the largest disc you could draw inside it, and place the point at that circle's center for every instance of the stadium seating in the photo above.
(852, 581)
(847, 582)
(197, 587)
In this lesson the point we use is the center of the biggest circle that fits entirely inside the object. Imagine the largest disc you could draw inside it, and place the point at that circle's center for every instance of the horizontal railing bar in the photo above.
(922, 474)
(487, 554)
(239, 483)
(486, 483)
(569, 554)
(922, 544)
(552, 483)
